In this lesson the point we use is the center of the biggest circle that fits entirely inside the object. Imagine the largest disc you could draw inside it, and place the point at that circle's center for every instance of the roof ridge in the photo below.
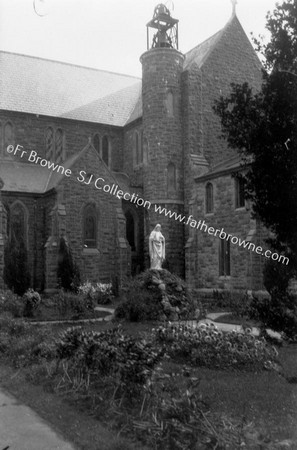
(69, 64)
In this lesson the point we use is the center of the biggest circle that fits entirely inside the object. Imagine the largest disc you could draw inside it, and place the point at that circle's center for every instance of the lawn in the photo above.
(255, 408)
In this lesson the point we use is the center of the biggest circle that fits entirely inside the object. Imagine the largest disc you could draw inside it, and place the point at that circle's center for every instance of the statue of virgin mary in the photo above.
(157, 248)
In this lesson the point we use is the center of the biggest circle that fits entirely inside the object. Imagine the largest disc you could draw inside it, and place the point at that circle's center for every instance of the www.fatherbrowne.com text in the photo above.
(99, 183)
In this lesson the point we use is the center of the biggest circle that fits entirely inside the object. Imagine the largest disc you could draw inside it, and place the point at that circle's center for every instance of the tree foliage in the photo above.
(67, 272)
(263, 127)
(16, 271)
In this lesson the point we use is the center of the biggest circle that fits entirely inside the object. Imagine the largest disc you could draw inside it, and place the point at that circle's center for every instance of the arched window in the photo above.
(18, 223)
(130, 230)
(209, 198)
(105, 150)
(140, 149)
(2, 150)
(136, 148)
(59, 146)
(96, 143)
(90, 226)
(224, 258)
(239, 192)
(171, 177)
(49, 144)
(145, 150)
(8, 135)
(169, 104)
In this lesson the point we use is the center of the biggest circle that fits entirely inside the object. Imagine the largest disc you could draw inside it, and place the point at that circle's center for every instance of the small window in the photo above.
(59, 147)
(145, 150)
(239, 192)
(2, 150)
(140, 149)
(8, 135)
(18, 221)
(171, 177)
(90, 226)
(105, 150)
(136, 152)
(96, 143)
(209, 198)
(224, 258)
(49, 144)
(130, 230)
(170, 104)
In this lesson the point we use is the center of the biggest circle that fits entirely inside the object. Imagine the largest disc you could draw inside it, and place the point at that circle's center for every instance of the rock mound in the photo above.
(157, 295)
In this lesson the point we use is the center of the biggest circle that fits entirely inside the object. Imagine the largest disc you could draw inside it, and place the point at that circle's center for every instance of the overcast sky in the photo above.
(111, 34)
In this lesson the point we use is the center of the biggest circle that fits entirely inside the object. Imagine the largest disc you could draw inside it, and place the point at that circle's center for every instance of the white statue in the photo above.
(157, 248)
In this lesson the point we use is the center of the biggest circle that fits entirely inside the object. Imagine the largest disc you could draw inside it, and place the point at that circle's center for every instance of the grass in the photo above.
(264, 402)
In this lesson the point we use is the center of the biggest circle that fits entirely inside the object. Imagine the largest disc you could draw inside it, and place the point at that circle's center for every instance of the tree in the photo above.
(67, 273)
(262, 126)
(16, 272)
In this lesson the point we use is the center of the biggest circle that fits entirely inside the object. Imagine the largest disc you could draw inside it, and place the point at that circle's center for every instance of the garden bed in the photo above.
(229, 406)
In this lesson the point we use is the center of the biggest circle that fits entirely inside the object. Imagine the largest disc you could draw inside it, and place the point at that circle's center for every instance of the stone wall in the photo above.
(30, 129)
(202, 250)
(161, 98)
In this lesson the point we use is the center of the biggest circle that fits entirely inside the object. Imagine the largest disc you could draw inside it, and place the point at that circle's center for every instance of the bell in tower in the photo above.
(167, 29)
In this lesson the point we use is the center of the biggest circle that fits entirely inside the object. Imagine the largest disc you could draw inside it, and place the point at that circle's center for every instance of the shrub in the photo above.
(16, 271)
(101, 293)
(71, 304)
(67, 272)
(143, 298)
(110, 352)
(31, 301)
(138, 306)
(278, 312)
(276, 277)
(206, 346)
(11, 303)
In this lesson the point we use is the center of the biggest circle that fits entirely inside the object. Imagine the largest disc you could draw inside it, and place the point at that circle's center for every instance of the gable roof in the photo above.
(199, 53)
(113, 109)
(41, 86)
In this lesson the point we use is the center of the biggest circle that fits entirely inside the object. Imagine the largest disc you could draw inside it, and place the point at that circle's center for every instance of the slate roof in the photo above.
(114, 109)
(41, 86)
(57, 89)
(225, 167)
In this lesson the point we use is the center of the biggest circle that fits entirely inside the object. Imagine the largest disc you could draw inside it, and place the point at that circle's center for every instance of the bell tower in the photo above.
(162, 66)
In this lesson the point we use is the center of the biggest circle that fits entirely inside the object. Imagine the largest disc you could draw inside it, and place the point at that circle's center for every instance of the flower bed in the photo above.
(207, 346)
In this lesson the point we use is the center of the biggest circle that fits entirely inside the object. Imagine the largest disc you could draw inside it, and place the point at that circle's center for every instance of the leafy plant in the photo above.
(16, 271)
(67, 272)
(207, 346)
(11, 303)
(101, 293)
(110, 352)
(31, 301)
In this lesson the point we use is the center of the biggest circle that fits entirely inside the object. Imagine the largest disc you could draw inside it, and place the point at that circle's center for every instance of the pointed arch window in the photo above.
(54, 145)
(170, 104)
(59, 145)
(2, 149)
(96, 143)
(209, 198)
(90, 226)
(18, 223)
(50, 144)
(224, 258)
(171, 177)
(106, 150)
(8, 135)
(140, 148)
(130, 230)
(239, 192)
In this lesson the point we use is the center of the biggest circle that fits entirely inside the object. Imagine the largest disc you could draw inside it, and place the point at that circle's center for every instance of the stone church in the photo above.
(89, 155)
